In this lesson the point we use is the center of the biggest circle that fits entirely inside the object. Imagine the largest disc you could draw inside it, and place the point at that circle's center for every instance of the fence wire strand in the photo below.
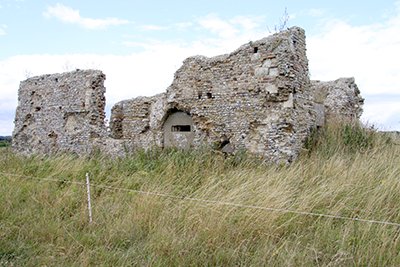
(208, 201)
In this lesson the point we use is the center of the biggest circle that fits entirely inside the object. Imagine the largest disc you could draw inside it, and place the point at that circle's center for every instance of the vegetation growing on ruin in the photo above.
(346, 169)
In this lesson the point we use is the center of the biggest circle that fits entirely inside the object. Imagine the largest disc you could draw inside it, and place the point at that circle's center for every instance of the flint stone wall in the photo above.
(340, 97)
(60, 112)
(258, 98)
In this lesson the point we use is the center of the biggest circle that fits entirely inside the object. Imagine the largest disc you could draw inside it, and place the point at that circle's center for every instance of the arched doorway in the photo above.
(178, 130)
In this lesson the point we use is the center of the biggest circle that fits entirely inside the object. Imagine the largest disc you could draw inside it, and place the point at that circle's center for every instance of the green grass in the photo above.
(5, 141)
(346, 170)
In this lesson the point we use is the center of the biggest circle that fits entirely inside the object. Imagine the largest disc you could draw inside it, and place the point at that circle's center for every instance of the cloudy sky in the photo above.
(140, 44)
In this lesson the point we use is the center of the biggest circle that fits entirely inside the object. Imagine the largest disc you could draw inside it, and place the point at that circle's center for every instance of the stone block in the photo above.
(273, 72)
(261, 71)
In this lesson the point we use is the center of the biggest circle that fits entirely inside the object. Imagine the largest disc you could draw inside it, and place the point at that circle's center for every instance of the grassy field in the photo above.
(345, 170)
(5, 141)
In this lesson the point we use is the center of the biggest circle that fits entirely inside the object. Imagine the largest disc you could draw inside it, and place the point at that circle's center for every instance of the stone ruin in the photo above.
(258, 98)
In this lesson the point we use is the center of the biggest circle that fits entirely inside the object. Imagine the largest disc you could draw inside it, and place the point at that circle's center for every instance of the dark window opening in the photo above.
(209, 95)
(180, 128)
(255, 49)
(223, 143)
(199, 94)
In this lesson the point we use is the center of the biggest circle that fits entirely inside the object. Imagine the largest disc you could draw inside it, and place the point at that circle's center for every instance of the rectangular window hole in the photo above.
(180, 128)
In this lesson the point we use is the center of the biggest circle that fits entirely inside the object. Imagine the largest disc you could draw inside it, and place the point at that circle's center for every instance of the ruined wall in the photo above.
(258, 98)
(246, 98)
(137, 122)
(341, 97)
(60, 112)
(254, 98)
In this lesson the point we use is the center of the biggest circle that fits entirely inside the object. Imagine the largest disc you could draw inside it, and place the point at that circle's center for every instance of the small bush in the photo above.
(344, 136)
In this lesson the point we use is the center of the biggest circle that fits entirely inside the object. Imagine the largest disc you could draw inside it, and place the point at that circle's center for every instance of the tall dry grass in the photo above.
(346, 170)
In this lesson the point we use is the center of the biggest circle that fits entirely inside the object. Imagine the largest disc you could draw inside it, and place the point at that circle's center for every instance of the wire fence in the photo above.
(197, 200)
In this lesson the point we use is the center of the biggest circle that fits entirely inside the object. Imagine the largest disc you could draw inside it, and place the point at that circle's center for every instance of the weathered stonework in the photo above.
(60, 112)
(340, 97)
(258, 98)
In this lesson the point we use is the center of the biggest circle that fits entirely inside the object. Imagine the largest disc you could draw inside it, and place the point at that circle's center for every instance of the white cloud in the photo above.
(316, 12)
(230, 34)
(369, 53)
(292, 16)
(152, 28)
(183, 25)
(233, 32)
(247, 22)
(161, 57)
(178, 26)
(127, 76)
(387, 120)
(218, 26)
(2, 32)
(129, 36)
(68, 15)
